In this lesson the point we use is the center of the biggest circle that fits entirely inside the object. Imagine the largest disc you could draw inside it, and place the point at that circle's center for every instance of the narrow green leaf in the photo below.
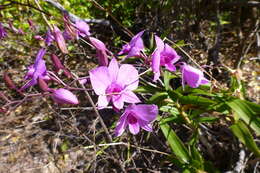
(206, 119)
(242, 132)
(158, 98)
(175, 143)
(243, 111)
(167, 76)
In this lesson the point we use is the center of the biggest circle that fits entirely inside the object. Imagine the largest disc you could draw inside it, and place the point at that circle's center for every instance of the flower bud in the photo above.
(43, 85)
(64, 96)
(8, 81)
(101, 51)
(60, 40)
(57, 63)
(31, 24)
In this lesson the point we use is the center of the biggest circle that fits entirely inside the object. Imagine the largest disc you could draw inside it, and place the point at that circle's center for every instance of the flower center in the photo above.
(114, 89)
(131, 118)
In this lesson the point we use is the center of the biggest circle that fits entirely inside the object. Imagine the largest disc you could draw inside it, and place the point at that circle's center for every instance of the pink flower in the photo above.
(164, 55)
(192, 76)
(101, 51)
(133, 49)
(63, 96)
(115, 83)
(136, 116)
(37, 70)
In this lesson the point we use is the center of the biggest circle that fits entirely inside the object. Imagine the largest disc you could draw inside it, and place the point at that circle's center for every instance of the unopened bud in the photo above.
(64, 96)
(8, 81)
(57, 63)
(43, 85)
(60, 39)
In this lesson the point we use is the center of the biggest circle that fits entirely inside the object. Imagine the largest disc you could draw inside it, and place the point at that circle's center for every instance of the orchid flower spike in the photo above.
(164, 55)
(101, 51)
(3, 33)
(114, 83)
(192, 76)
(37, 70)
(64, 96)
(134, 47)
(136, 116)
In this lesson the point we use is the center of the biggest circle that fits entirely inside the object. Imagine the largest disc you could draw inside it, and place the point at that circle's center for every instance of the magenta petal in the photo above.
(134, 52)
(145, 112)
(170, 67)
(113, 69)
(137, 41)
(204, 81)
(134, 128)
(159, 43)
(156, 64)
(130, 97)
(128, 76)
(121, 125)
(83, 28)
(100, 79)
(192, 76)
(126, 48)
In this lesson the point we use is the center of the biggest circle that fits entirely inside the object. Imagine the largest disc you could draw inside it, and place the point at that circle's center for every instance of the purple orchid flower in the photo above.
(64, 96)
(164, 55)
(136, 116)
(83, 28)
(101, 51)
(134, 48)
(192, 76)
(115, 83)
(37, 70)
(3, 33)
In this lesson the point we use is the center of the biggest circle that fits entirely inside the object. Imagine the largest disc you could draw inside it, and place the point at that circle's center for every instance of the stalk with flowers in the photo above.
(143, 96)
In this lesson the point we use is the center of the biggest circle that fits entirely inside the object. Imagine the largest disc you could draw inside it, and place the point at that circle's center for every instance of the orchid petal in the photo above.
(134, 128)
(113, 69)
(100, 79)
(130, 97)
(103, 101)
(159, 43)
(156, 64)
(121, 125)
(128, 76)
(145, 112)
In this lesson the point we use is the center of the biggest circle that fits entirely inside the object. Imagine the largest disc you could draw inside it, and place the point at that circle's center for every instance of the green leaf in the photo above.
(206, 119)
(190, 99)
(147, 89)
(167, 76)
(242, 132)
(175, 143)
(158, 98)
(245, 112)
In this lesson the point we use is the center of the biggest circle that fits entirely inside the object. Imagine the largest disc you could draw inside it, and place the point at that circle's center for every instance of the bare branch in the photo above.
(74, 18)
